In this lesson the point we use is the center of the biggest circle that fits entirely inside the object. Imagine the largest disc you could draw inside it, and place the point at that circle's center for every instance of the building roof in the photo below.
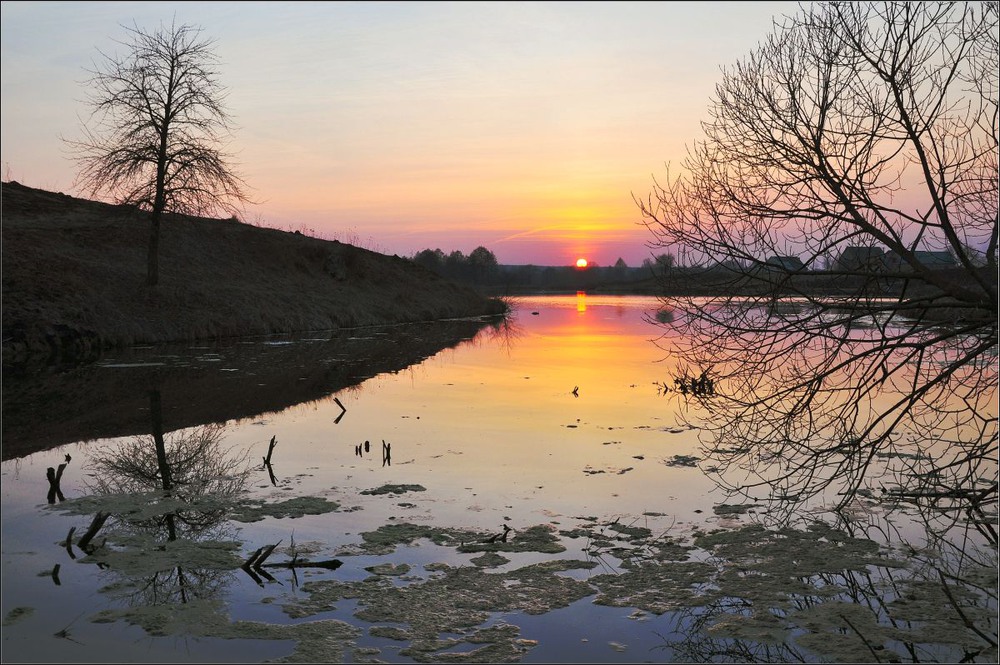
(927, 258)
(789, 263)
(854, 257)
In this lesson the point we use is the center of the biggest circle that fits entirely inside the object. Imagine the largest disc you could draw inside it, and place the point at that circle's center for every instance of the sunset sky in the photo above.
(519, 126)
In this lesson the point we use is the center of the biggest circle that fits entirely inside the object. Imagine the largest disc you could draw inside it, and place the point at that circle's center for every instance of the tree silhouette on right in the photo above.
(861, 138)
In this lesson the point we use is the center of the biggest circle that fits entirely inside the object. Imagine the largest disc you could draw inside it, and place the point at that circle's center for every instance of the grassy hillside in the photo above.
(74, 280)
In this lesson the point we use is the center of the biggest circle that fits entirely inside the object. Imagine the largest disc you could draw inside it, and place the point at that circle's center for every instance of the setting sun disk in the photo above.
(581, 262)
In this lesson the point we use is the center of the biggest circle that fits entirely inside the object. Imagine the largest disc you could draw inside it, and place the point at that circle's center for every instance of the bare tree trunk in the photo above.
(156, 416)
(152, 263)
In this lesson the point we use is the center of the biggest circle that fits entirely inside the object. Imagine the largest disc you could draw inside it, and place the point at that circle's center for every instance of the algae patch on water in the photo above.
(317, 641)
(490, 560)
(655, 587)
(539, 538)
(138, 555)
(799, 589)
(17, 614)
(150, 505)
(457, 601)
(824, 590)
(252, 511)
(384, 539)
(394, 489)
(729, 509)
(389, 569)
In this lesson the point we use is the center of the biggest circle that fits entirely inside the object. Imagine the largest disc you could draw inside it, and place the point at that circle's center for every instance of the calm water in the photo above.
(552, 421)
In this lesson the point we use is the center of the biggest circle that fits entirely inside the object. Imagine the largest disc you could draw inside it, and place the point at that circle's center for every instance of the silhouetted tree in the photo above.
(155, 135)
(432, 259)
(480, 266)
(659, 265)
(456, 265)
(854, 125)
(483, 265)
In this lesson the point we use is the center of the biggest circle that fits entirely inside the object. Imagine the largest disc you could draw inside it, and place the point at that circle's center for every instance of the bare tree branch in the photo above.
(861, 138)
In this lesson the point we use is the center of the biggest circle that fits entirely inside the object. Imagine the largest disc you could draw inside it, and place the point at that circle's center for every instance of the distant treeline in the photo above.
(661, 275)
(480, 268)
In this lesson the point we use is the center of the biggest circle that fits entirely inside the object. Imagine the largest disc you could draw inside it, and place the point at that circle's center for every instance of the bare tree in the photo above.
(155, 135)
(862, 138)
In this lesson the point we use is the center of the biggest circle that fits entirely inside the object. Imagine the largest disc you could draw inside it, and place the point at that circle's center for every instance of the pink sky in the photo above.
(522, 127)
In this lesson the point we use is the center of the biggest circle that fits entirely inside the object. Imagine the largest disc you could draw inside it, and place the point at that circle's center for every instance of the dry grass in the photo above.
(74, 280)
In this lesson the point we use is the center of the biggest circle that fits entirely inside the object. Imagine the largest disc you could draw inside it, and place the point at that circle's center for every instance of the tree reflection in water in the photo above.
(180, 546)
(887, 427)
(799, 421)
(787, 594)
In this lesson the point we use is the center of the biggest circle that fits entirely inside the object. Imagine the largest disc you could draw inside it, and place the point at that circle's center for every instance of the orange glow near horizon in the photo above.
(581, 263)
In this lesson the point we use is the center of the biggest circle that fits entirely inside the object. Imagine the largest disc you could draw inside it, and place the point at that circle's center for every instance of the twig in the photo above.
(343, 411)
(64, 633)
(863, 639)
(968, 623)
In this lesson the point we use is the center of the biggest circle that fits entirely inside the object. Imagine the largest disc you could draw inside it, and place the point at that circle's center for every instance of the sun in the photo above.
(581, 262)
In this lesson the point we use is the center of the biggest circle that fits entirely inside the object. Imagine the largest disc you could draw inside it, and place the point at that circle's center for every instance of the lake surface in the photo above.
(476, 491)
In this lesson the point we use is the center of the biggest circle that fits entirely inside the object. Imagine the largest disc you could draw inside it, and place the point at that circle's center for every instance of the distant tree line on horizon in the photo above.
(481, 268)
(664, 274)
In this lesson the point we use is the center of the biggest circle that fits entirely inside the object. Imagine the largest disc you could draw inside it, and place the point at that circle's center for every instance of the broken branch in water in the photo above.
(95, 526)
(502, 537)
(270, 449)
(69, 542)
(255, 564)
(54, 479)
(343, 410)
(257, 559)
(329, 564)
(267, 460)
(252, 565)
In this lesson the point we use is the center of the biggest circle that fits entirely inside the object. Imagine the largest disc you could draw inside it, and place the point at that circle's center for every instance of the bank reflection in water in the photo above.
(207, 383)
